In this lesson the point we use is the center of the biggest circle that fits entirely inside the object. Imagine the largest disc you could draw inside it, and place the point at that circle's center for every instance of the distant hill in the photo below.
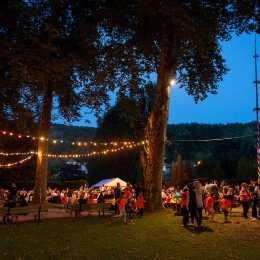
(234, 158)
(174, 131)
(72, 133)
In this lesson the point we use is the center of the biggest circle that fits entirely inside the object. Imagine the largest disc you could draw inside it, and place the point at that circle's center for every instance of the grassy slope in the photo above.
(156, 236)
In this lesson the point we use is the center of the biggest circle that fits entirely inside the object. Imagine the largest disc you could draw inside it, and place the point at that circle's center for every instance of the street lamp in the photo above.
(173, 82)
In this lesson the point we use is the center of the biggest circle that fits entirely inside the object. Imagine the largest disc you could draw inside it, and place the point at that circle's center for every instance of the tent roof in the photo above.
(109, 182)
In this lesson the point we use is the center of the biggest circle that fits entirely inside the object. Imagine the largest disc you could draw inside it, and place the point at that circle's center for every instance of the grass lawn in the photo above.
(155, 236)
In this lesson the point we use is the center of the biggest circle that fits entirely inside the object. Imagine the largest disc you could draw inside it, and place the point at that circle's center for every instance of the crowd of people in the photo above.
(130, 198)
(189, 201)
(192, 199)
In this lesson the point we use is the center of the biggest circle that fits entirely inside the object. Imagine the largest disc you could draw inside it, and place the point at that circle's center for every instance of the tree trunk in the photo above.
(40, 187)
(157, 125)
(187, 170)
(179, 168)
(174, 175)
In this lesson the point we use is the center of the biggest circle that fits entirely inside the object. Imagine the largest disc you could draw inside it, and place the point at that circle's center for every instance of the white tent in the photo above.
(110, 183)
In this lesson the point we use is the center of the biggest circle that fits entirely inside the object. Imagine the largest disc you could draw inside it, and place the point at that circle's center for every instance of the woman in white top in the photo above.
(199, 201)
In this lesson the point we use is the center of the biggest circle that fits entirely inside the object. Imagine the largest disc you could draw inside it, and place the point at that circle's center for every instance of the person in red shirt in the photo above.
(225, 204)
(140, 204)
(129, 204)
(184, 206)
(209, 202)
(121, 202)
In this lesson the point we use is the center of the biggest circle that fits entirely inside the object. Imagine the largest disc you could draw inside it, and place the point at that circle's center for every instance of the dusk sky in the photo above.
(235, 99)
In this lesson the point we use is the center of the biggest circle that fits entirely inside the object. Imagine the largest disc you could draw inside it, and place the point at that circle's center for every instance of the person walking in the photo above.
(245, 199)
(225, 205)
(121, 202)
(209, 202)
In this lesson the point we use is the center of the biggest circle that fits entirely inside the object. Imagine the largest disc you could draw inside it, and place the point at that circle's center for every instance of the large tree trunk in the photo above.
(179, 168)
(40, 187)
(157, 125)
(174, 174)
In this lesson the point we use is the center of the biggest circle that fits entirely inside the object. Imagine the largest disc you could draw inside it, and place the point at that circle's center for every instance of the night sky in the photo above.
(236, 96)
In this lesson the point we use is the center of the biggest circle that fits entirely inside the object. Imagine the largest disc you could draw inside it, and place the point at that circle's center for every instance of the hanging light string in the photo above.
(115, 143)
(75, 143)
(16, 163)
(210, 140)
(103, 152)
(94, 153)
(16, 154)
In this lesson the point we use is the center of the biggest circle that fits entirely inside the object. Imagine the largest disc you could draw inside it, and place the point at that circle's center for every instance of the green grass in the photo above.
(155, 236)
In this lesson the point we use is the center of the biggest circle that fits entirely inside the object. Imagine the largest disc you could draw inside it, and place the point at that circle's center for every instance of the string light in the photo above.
(15, 154)
(15, 163)
(106, 151)
(74, 143)
(210, 140)
(94, 153)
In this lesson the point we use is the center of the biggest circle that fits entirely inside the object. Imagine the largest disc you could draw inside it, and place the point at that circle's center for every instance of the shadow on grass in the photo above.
(198, 230)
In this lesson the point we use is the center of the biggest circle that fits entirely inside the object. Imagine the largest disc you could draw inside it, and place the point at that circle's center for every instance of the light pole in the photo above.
(256, 82)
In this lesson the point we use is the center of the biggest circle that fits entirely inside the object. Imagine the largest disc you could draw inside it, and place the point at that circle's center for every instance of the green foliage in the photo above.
(219, 159)
(246, 169)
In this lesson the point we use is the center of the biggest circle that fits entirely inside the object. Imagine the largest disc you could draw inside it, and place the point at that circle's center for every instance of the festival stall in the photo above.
(109, 183)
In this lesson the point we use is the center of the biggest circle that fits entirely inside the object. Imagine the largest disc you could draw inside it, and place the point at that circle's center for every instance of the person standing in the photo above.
(255, 202)
(225, 205)
(209, 202)
(244, 199)
(121, 202)
(117, 193)
(184, 206)
(13, 191)
(199, 200)
(192, 205)
(140, 204)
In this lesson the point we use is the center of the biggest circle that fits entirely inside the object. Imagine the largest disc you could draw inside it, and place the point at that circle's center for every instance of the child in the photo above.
(121, 202)
(225, 204)
(140, 204)
(209, 202)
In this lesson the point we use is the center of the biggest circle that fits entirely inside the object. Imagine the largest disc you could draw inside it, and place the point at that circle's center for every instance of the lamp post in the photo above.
(256, 82)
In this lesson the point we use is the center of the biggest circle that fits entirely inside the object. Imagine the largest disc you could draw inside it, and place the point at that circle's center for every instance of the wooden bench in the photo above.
(6, 212)
(95, 207)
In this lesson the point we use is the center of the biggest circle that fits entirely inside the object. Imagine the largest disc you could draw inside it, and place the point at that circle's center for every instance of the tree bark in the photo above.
(179, 168)
(40, 187)
(157, 125)
(174, 174)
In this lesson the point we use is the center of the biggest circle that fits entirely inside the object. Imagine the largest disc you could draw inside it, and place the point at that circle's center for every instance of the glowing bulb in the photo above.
(173, 82)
